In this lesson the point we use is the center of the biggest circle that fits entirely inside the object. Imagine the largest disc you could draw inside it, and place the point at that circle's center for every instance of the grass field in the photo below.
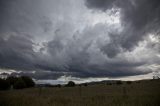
(143, 93)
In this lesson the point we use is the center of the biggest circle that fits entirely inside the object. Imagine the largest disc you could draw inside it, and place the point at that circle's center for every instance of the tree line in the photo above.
(16, 83)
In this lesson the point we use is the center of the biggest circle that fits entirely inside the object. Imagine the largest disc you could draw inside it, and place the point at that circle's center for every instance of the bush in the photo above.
(129, 82)
(59, 85)
(28, 81)
(19, 84)
(109, 83)
(4, 84)
(119, 82)
(70, 84)
(85, 84)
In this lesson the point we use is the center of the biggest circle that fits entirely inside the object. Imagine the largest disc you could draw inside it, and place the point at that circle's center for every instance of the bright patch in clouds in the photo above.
(109, 17)
(6, 71)
(66, 79)
(153, 38)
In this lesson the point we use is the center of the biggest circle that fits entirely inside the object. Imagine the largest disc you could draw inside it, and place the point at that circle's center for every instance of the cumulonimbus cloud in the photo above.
(55, 38)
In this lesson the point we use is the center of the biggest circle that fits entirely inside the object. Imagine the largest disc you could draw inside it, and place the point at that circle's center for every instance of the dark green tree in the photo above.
(12, 80)
(28, 81)
(70, 84)
(19, 84)
(4, 84)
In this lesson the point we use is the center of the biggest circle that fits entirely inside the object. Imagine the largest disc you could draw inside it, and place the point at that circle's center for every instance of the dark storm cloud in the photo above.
(17, 22)
(78, 58)
(46, 40)
(16, 52)
(137, 17)
(100, 4)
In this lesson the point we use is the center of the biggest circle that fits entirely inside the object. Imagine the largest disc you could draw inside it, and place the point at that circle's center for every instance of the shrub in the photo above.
(4, 84)
(119, 82)
(109, 83)
(28, 81)
(138, 82)
(129, 82)
(59, 85)
(70, 84)
(85, 84)
(19, 84)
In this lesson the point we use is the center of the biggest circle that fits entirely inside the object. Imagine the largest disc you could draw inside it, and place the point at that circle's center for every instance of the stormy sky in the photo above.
(47, 39)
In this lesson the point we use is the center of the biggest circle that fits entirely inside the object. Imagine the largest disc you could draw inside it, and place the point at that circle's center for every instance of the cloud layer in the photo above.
(90, 38)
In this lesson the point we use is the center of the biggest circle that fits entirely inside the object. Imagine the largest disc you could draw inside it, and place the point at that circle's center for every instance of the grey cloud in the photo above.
(16, 52)
(137, 17)
(77, 57)
(100, 4)
(46, 37)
